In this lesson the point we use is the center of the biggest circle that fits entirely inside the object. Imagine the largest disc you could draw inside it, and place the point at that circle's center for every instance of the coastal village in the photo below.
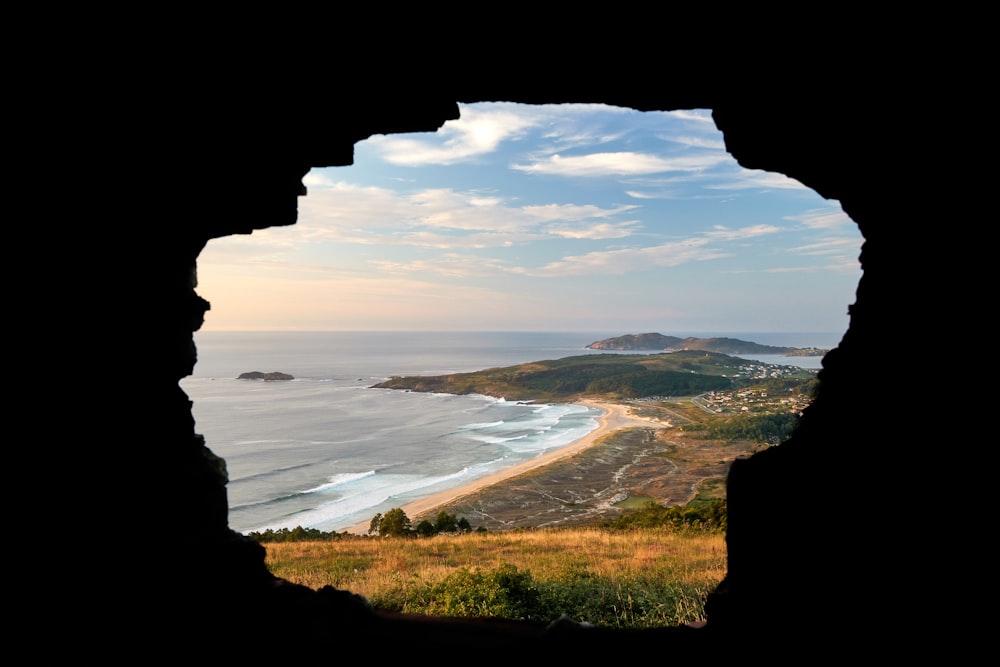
(748, 400)
(751, 401)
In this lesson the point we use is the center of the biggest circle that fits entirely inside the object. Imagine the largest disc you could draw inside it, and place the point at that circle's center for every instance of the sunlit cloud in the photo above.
(826, 246)
(567, 212)
(720, 233)
(444, 218)
(698, 115)
(754, 178)
(823, 219)
(477, 235)
(566, 138)
(595, 232)
(635, 194)
(628, 260)
(617, 164)
(475, 133)
(835, 264)
(447, 266)
(694, 141)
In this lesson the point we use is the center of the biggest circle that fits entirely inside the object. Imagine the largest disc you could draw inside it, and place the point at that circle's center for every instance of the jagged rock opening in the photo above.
(802, 542)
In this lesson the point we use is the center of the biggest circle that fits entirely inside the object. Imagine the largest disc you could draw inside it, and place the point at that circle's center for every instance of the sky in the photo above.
(555, 218)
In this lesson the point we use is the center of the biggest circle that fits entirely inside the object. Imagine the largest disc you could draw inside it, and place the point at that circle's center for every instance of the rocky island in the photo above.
(730, 346)
(257, 375)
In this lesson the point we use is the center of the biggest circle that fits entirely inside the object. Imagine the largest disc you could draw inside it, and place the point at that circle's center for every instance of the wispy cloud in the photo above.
(628, 260)
(450, 265)
(720, 233)
(444, 218)
(697, 115)
(624, 163)
(754, 178)
(511, 202)
(693, 141)
(566, 212)
(823, 218)
(827, 246)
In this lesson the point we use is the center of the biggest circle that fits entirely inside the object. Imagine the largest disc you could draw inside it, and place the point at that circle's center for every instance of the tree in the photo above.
(425, 529)
(446, 523)
(374, 525)
(394, 523)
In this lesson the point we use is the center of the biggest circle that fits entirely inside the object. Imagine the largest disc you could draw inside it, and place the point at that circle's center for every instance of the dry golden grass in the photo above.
(372, 567)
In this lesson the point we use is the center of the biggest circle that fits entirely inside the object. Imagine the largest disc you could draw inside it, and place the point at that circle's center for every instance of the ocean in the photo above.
(328, 451)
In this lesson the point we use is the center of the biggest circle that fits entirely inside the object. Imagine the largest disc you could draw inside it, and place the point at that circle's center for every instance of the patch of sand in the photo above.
(615, 417)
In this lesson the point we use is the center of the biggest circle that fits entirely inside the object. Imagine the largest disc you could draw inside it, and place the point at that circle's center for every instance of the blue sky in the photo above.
(543, 218)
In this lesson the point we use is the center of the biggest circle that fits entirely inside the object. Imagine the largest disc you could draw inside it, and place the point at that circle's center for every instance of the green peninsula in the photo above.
(604, 376)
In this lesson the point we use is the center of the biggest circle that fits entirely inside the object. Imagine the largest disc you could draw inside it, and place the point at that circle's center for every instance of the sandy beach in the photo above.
(615, 417)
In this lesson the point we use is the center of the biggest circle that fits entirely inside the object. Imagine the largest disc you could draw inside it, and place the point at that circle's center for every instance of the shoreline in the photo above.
(615, 417)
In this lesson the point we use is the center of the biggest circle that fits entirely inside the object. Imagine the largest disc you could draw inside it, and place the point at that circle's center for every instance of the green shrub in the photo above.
(504, 592)
(704, 515)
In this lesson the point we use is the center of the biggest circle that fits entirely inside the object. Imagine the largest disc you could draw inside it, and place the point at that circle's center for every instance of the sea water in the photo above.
(328, 451)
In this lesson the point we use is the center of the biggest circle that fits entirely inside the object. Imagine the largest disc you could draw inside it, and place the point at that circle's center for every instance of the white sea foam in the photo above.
(339, 480)
(474, 427)
(329, 451)
(363, 498)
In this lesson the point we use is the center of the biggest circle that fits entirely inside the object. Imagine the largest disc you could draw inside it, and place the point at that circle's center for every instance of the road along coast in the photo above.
(614, 417)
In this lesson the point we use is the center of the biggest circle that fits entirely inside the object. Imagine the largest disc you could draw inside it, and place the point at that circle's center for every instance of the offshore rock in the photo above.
(257, 375)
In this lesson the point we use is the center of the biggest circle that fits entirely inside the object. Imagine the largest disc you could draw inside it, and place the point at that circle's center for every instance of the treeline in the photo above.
(704, 515)
(297, 534)
(394, 523)
(769, 429)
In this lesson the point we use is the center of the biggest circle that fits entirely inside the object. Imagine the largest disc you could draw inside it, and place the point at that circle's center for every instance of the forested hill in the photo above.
(655, 341)
(684, 373)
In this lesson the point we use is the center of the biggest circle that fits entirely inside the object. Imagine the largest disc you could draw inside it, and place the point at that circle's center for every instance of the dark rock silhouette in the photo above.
(834, 549)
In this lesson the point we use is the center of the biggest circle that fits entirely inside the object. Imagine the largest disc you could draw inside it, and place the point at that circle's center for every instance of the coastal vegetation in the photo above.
(601, 376)
(645, 564)
(638, 578)
(725, 345)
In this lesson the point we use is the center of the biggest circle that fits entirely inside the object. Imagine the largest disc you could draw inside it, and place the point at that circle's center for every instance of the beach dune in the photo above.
(614, 417)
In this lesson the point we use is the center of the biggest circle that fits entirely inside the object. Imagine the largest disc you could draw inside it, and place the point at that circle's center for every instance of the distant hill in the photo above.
(731, 346)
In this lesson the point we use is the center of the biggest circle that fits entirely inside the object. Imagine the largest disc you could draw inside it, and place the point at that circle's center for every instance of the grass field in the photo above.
(616, 578)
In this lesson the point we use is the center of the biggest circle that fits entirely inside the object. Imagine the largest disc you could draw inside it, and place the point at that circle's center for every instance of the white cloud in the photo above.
(594, 232)
(699, 115)
(635, 194)
(618, 164)
(712, 143)
(755, 178)
(444, 218)
(823, 219)
(449, 266)
(828, 246)
(628, 260)
(564, 212)
(721, 233)
(477, 132)
(318, 178)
